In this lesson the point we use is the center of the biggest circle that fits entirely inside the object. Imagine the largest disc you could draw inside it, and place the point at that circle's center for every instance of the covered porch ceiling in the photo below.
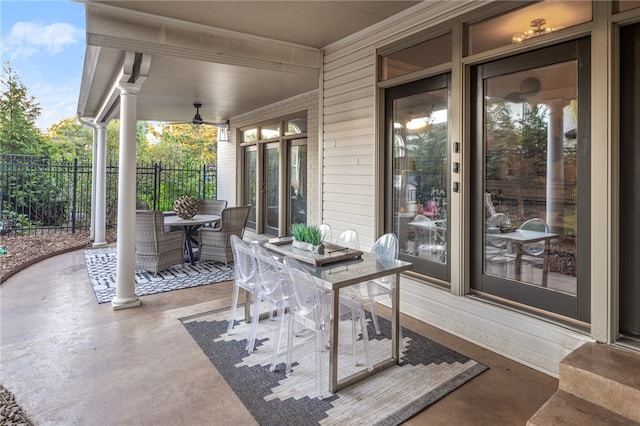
(230, 56)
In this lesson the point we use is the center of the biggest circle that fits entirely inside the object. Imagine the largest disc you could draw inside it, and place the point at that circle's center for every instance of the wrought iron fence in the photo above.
(39, 196)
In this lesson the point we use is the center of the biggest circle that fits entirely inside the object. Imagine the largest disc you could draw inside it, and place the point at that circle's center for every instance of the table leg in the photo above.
(518, 262)
(395, 321)
(545, 262)
(333, 343)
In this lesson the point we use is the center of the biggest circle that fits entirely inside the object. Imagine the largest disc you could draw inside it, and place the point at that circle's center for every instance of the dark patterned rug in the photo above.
(101, 266)
(428, 372)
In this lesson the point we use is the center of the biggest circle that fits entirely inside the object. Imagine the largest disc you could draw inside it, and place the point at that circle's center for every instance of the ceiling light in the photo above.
(536, 31)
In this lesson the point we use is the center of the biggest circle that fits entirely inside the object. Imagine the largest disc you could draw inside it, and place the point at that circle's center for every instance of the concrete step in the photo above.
(566, 409)
(598, 385)
(605, 376)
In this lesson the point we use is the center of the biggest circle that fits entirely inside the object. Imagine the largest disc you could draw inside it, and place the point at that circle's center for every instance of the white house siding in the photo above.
(229, 153)
(350, 194)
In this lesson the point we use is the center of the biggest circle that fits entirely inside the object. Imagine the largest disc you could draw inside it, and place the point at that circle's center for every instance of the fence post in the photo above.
(74, 207)
(156, 184)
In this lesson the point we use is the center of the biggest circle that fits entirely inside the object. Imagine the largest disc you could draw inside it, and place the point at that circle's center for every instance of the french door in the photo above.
(531, 180)
(270, 188)
(629, 224)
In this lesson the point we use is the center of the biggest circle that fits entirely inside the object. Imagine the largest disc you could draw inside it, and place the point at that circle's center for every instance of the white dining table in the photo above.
(190, 227)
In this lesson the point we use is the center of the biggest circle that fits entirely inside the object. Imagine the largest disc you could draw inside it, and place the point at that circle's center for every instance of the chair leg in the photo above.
(289, 344)
(276, 340)
(254, 323)
(319, 374)
(365, 339)
(374, 317)
(234, 305)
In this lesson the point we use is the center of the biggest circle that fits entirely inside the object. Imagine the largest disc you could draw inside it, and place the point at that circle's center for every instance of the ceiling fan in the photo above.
(197, 119)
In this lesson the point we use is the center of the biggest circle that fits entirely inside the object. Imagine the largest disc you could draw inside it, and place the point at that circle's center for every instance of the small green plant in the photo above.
(307, 234)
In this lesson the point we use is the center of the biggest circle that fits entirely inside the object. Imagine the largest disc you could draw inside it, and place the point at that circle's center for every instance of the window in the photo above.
(526, 23)
(531, 194)
(418, 57)
(274, 175)
(417, 146)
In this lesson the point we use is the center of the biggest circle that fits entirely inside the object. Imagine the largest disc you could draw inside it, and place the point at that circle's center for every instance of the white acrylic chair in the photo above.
(272, 287)
(244, 274)
(325, 232)
(350, 239)
(310, 306)
(385, 249)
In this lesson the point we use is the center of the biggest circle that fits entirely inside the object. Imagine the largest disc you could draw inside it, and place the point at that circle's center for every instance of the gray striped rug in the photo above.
(101, 266)
(428, 372)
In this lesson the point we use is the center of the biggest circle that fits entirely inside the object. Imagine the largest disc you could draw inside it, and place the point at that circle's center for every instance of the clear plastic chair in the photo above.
(244, 274)
(350, 239)
(497, 260)
(272, 287)
(310, 306)
(532, 252)
(325, 232)
(385, 249)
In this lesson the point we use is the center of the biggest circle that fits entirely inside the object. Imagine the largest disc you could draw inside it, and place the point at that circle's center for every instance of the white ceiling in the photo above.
(177, 79)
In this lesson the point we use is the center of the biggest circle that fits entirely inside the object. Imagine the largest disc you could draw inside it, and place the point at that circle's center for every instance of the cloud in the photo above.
(29, 38)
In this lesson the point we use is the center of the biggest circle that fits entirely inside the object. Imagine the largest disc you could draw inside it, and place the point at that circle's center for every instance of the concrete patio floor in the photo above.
(70, 361)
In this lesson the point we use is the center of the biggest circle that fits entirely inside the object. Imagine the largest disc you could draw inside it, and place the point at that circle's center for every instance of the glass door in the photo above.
(530, 196)
(417, 117)
(250, 192)
(297, 158)
(629, 224)
(271, 188)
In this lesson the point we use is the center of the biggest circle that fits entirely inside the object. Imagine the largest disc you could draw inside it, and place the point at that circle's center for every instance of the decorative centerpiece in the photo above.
(185, 207)
(307, 238)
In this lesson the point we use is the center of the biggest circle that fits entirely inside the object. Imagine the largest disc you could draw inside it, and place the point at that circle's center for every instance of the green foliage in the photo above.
(18, 113)
(306, 233)
(70, 139)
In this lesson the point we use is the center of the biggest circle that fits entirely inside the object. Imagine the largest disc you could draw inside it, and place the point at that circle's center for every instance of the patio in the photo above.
(69, 360)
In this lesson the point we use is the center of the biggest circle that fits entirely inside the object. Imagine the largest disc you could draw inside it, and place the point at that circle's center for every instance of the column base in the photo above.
(99, 244)
(125, 302)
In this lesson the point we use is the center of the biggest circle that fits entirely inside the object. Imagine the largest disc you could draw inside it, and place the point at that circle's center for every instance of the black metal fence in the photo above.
(39, 196)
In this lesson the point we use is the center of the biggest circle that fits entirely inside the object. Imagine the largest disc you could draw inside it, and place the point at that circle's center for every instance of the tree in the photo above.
(70, 139)
(18, 113)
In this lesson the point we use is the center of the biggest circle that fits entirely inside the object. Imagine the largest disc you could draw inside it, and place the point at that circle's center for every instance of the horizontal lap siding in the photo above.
(349, 143)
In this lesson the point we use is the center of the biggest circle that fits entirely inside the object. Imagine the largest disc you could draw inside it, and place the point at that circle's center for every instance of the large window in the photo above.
(274, 175)
(417, 117)
(531, 192)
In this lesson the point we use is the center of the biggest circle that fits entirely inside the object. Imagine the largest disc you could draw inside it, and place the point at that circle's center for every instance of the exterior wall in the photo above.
(229, 153)
(352, 197)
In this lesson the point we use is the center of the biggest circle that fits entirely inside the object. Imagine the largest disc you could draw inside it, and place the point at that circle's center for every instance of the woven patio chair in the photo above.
(156, 250)
(215, 243)
(211, 207)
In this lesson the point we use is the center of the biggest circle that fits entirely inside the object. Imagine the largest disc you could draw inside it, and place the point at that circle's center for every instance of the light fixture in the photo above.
(536, 31)
(223, 133)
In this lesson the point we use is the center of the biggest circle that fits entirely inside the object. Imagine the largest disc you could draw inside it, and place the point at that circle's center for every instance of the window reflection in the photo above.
(421, 168)
(530, 176)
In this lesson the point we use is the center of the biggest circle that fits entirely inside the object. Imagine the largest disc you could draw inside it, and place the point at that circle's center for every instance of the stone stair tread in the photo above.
(615, 364)
(564, 408)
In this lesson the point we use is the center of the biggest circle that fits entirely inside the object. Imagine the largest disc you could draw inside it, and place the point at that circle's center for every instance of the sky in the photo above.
(44, 41)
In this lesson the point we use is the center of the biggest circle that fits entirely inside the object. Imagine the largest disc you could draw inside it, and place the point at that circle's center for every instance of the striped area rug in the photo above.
(428, 372)
(101, 266)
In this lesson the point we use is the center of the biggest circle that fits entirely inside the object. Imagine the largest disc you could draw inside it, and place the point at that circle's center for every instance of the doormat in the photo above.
(428, 371)
(101, 266)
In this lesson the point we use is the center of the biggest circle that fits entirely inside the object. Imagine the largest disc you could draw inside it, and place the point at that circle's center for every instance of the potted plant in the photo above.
(307, 238)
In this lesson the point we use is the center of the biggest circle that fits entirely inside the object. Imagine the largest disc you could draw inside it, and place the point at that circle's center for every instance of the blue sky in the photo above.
(45, 43)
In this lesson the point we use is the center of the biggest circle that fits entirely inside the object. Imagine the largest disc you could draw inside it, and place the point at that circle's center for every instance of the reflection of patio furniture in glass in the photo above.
(430, 238)
(522, 238)
(155, 249)
(215, 243)
(431, 209)
(402, 230)
(497, 261)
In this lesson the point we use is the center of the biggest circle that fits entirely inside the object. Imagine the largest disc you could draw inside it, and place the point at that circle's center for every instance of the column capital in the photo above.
(129, 88)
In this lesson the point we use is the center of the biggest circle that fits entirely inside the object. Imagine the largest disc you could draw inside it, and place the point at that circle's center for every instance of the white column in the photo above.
(555, 166)
(126, 246)
(92, 229)
(98, 218)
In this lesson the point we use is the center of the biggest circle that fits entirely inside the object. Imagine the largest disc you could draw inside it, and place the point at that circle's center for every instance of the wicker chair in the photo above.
(211, 207)
(155, 249)
(215, 243)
